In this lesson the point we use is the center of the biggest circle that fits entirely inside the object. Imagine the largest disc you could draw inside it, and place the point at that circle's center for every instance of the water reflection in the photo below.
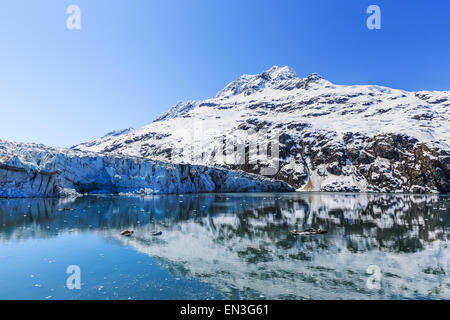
(240, 243)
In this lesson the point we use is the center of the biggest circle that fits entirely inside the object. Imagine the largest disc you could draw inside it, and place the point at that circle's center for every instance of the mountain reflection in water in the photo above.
(241, 245)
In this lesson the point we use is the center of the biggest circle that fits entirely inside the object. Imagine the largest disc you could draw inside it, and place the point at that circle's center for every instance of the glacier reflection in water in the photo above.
(239, 244)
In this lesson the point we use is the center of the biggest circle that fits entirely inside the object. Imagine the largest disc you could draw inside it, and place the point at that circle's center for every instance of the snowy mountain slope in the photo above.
(328, 137)
(107, 137)
(31, 170)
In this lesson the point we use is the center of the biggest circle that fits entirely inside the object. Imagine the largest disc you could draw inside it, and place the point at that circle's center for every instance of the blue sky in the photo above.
(132, 60)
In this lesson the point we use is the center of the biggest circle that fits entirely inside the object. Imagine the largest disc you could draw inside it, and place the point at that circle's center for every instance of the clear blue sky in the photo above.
(132, 60)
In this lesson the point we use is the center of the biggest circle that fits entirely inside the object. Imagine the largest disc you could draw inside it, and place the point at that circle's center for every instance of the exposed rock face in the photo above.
(30, 170)
(401, 162)
(329, 137)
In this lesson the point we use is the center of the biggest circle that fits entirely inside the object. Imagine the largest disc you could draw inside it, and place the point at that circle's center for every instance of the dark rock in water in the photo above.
(66, 209)
(127, 233)
(308, 232)
(157, 233)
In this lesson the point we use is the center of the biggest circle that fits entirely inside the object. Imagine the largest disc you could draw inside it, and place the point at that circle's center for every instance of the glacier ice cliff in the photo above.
(32, 170)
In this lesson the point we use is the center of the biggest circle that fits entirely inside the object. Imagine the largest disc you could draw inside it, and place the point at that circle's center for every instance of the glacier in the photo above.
(34, 170)
(351, 138)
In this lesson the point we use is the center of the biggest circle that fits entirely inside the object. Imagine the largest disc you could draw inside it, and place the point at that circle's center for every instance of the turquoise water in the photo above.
(227, 246)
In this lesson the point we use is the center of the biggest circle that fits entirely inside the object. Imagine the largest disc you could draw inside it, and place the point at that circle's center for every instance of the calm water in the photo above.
(228, 246)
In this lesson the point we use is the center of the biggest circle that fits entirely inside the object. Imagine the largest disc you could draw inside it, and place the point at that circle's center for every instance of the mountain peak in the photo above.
(314, 77)
(276, 77)
(281, 73)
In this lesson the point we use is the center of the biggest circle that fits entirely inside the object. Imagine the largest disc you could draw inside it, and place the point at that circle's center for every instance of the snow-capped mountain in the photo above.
(32, 170)
(309, 132)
